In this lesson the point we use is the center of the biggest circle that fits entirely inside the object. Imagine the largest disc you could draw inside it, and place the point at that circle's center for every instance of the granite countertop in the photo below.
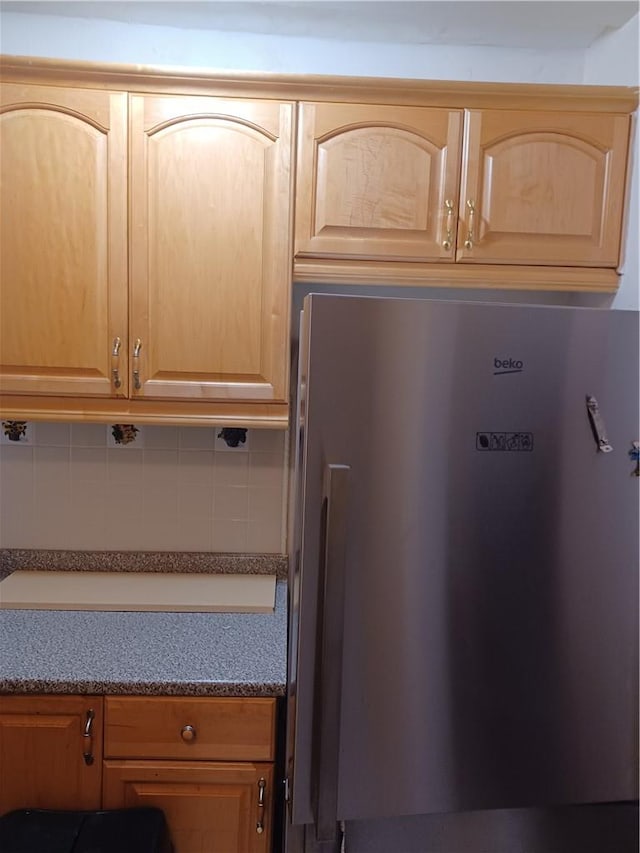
(144, 653)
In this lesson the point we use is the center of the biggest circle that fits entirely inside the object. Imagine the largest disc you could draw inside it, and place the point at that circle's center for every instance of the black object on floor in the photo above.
(141, 830)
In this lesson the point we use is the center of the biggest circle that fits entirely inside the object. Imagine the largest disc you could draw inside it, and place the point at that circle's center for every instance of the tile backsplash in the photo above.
(178, 489)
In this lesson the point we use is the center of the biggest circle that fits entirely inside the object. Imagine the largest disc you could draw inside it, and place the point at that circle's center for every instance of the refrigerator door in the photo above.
(484, 579)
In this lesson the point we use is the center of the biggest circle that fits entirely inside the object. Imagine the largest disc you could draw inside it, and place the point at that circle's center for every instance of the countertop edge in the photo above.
(201, 562)
(17, 686)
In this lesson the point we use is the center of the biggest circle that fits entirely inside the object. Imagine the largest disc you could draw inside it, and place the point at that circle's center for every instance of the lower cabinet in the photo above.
(50, 752)
(206, 762)
(217, 807)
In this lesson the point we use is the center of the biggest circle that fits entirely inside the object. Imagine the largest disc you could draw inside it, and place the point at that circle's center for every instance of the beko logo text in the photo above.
(507, 365)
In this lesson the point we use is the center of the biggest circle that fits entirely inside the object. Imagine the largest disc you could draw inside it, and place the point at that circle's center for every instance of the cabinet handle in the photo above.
(136, 364)
(188, 734)
(115, 363)
(87, 736)
(448, 240)
(262, 786)
(468, 243)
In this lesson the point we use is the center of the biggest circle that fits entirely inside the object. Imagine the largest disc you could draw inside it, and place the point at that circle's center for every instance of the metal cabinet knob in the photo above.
(188, 734)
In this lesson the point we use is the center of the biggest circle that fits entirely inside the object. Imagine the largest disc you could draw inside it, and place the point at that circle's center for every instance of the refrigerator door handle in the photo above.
(330, 641)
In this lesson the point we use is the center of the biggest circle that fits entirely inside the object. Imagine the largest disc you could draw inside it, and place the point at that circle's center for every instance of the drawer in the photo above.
(197, 729)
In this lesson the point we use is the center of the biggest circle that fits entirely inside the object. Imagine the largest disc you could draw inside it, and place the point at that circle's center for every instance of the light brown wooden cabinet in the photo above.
(63, 242)
(50, 752)
(159, 310)
(208, 763)
(475, 186)
(373, 180)
(210, 254)
(147, 242)
(546, 187)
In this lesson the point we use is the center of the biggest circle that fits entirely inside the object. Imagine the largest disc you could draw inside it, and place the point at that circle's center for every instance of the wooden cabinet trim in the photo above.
(89, 410)
(486, 276)
(365, 90)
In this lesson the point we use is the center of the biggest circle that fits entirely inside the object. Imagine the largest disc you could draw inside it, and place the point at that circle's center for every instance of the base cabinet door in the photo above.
(210, 807)
(50, 752)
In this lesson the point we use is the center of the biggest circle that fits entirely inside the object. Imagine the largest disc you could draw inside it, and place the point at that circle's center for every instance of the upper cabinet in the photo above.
(210, 253)
(63, 241)
(146, 256)
(542, 188)
(149, 239)
(393, 184)
(373, 181)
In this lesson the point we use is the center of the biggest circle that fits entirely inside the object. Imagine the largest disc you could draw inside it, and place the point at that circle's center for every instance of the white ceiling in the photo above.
(508, 23)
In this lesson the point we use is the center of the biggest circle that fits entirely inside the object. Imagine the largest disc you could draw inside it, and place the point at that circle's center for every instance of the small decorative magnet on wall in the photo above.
(123, 434)
(233, 437)
(634, 456)
(13, 431)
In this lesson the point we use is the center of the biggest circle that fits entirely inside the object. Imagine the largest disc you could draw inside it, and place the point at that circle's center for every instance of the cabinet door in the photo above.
(209, 807)
(546, 188)
(63, 252)
(42, 752)
(374, 181)
(210, 251)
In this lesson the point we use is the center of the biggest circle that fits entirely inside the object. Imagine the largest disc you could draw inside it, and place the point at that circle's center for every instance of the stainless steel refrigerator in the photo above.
(463, 667)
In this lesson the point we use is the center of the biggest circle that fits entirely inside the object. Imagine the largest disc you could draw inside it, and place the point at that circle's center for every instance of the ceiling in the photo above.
(508, 23)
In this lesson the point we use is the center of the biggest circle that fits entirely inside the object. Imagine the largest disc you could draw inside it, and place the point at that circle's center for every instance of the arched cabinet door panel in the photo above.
(377, 181)
(63, 252)
(210, 248)
(542, 188)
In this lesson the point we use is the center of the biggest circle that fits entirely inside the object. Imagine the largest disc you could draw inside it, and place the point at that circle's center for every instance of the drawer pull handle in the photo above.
(188, 734)
(262, 785)
(87, 737)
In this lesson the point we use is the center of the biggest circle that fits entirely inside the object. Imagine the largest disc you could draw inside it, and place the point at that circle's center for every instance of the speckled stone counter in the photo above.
(179, 654)
(142, 561)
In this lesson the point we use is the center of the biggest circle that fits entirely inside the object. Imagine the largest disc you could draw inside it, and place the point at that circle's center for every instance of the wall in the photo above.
(174, 489)
(614, 61)
(175, 493)
(112, 41)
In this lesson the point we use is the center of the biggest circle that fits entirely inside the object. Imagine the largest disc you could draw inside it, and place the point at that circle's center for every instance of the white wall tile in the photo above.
(196, 438)
(159, 466)
(52, 434)
(230, 536)
(196, 466)
(231, 469)
(16, 496)
(89, 435)
(265, 469)
(88, 515)
(267, 441)
(52, 515)
(88, 463)
(124, 467)
(70, 490)
(161, 438)
(51, 470)
(230, 502)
